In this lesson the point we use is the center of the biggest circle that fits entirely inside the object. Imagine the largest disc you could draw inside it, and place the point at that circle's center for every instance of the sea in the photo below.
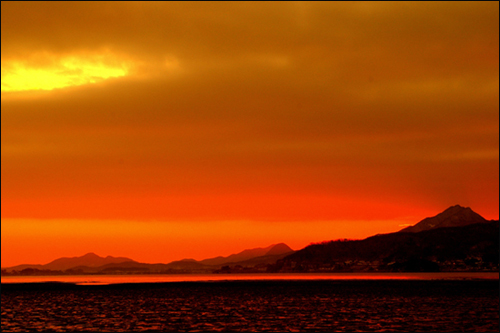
(338, 302)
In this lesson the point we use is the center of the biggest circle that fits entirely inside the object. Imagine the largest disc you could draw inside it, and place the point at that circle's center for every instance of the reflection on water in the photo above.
(113, 279)
(258, 305)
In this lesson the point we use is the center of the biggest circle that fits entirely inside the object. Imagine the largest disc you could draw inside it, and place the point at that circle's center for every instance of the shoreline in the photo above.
(382, 283)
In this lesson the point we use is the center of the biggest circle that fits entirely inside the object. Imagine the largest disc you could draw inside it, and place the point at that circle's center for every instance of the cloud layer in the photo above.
(264, 111)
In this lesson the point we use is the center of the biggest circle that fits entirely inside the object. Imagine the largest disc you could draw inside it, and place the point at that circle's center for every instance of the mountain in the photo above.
(455, 216)
(257, 264)
(22, 266)
(91, 263)
(89, 259)
(278, 249)
(275, 249)
(260, 261)
(61, 264)
(458, 239)
(470, 246)
(187, 266)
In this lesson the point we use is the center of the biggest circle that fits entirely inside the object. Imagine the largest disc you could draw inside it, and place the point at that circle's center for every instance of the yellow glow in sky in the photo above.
(65, 72)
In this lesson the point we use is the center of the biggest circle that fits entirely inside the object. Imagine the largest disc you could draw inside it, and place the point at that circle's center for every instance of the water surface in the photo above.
(427, 305)
(150, 278)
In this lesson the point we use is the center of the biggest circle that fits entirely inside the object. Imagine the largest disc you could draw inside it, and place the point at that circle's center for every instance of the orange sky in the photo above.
(162, 131)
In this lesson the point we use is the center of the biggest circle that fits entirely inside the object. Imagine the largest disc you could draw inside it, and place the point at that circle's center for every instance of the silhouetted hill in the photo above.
(274, 249)
(89, 259)
(457, 239)
(62, 264)
(262, 260)
(455, 216)
(22, 266)
(470, 247)
(278, 249)
(94, 264)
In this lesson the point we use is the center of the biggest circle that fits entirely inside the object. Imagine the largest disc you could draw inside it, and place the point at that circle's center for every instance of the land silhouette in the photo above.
(455, 216)
(458, 239)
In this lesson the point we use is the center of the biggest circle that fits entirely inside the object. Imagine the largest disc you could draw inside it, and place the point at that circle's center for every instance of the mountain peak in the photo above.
(248, 254)
(278, 249)
(90, 259)
(454, 216)
(457, 209)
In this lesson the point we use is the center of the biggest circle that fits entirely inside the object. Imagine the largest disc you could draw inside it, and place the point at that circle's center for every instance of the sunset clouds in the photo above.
(300, 111)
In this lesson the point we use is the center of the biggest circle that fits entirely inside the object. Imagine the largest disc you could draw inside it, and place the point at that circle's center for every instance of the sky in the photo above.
(167, 130)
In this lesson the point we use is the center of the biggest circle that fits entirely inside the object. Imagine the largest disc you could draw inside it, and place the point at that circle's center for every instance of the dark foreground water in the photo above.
(386, 305)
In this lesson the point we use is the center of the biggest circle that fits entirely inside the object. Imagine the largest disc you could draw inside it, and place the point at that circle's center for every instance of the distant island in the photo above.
(456, 240)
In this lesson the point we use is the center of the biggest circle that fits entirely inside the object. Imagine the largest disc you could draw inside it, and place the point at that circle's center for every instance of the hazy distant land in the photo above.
(458, 239)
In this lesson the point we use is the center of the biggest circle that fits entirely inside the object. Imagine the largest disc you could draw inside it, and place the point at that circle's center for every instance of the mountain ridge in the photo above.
(93, 263)
(453, 239)
(462, 248)
(454, 216)
(89, 259)
(244, 255)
